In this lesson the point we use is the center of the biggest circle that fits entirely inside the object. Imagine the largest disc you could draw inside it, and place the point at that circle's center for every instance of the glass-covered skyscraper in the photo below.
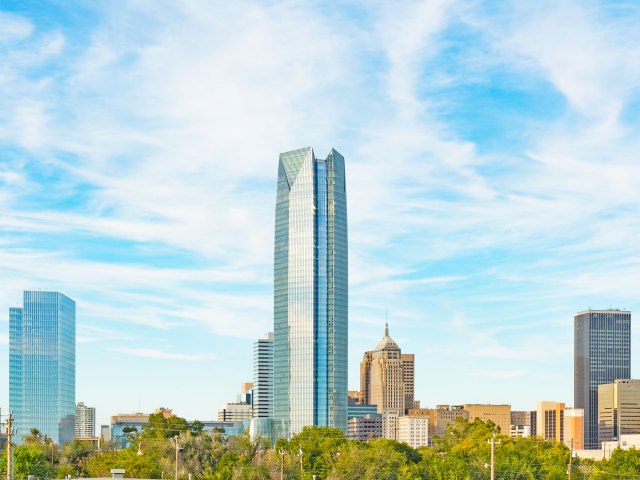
(602, 354)
(42, 365)
(310, 293)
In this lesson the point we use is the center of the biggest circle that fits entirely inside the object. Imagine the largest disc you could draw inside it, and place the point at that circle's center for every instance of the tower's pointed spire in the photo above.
(386, 329)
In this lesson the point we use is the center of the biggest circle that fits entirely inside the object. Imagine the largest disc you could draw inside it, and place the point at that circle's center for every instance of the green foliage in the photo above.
(462, 453)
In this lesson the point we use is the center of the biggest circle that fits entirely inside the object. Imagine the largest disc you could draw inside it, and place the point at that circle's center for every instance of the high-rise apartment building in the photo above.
(310, 293)
(42, 365)
(602, 354)
(263, 377)
(618, 409)
(85, 421)
(386, 376)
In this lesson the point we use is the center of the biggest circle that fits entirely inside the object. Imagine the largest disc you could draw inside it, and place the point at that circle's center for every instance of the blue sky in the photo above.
(492, 181)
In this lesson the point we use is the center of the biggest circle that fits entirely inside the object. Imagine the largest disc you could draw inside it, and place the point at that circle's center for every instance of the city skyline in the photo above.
(491, 163)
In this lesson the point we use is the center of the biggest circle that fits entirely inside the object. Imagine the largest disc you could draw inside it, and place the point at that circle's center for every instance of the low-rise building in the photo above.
(235, 412)
(618, 409)
(498, 414)
(414, 431)
(365, 428)
(355, 410)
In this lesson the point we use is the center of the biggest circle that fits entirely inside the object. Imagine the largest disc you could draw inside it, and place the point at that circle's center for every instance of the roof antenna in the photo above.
(386, 322)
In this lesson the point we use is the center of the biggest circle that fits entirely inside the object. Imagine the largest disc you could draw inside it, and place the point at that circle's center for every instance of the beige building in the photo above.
(414, 431)
(235, 412)
(574, 428)
(550, 420)
(618, 409)
(368, 427)
(390, 423)
(439, 418)
(498, 414)
(387, 377)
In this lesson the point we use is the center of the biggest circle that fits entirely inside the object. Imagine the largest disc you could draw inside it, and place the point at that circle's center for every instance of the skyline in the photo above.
(491, 165)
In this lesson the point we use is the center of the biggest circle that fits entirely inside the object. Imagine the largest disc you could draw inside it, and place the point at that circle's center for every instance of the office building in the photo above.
(235, 412)
(263, 377)
(85, 421)
(386, 376)
(365, 428)
(353, 397)
(414, 431)
(124, 423)
(602, 354)
(498, 414)
(618, 409)
(390, 423)
(246, 394)
(360, 410)
(521, 423)
(310, 293)
(440, 418)
(42, 365)
(550, 420)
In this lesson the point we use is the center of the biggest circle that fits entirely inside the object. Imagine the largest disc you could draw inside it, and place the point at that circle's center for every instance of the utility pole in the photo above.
(9, 446)
(300, 453)
(176, 439)
(493, 443)
(570, 460)
(282, 463)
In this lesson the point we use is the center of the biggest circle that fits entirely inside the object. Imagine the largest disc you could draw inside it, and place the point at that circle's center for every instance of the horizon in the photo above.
(491, 179)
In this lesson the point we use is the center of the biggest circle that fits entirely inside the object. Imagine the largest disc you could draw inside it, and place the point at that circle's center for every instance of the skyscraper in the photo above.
(42, 365)
(310, 293)
(85, 421)
(263, 377)
(386, 376)
(602, 354)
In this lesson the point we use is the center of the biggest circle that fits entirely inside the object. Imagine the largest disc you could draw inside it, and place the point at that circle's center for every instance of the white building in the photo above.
(520, 431)
(390, 423)
(263, 377)
(414, 431)
(235, 412)
(85, 422)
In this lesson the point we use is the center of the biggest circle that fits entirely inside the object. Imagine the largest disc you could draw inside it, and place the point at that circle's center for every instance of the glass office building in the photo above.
(310, 293)
(42, 365)
(602, 354)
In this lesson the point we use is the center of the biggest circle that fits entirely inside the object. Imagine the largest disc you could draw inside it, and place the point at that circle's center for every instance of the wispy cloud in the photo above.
(163, 355)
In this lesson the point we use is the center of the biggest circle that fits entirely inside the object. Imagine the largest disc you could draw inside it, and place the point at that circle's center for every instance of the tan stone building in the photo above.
(498, 414)
(618, 409)
(550, 420)
(387, 377)
(439, 418)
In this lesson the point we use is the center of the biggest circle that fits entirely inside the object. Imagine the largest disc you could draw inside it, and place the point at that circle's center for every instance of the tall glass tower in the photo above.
(42, 365)
(602, 354)
(310, 293)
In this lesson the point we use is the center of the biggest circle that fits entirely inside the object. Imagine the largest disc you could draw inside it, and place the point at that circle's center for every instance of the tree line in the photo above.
(462, 453)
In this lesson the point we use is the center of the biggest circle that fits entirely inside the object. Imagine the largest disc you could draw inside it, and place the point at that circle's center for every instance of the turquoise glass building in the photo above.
(310, 293)
(42, 365)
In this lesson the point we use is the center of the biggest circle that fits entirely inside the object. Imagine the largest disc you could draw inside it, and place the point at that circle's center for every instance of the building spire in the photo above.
(386, 329)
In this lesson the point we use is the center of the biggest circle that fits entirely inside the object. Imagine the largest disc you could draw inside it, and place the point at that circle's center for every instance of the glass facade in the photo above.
(602, 354)
(42, 365)
(310, 293)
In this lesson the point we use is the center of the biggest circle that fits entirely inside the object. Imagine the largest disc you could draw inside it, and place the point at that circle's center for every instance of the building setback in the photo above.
(310, 293)
(42, 365)
(602, 354)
